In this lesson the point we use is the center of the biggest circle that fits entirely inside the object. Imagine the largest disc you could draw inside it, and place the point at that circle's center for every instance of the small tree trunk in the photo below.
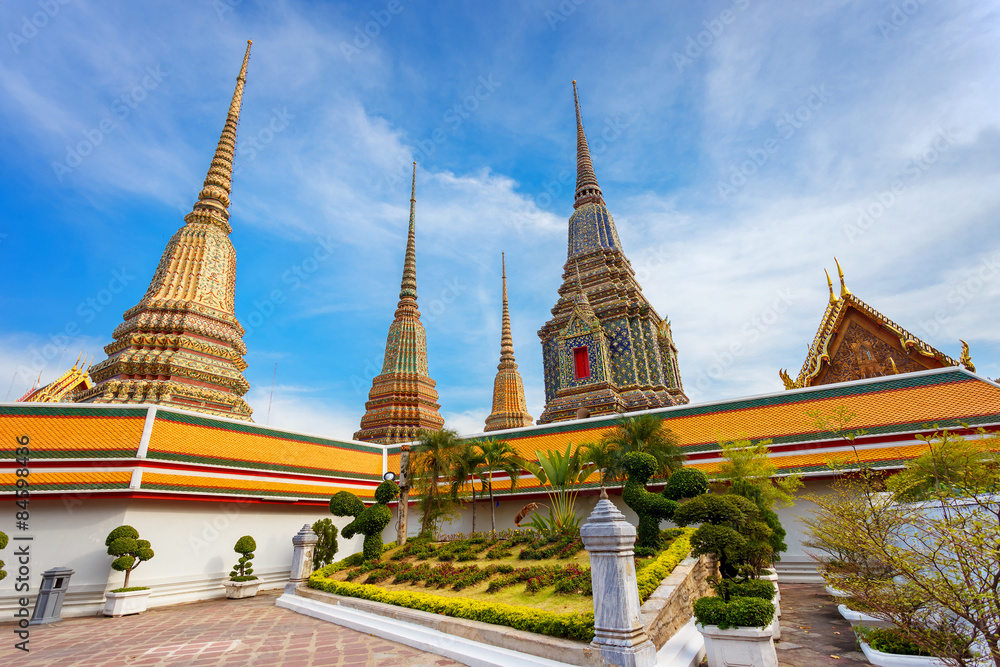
(473, 505)
(127, 573)
(493, 512)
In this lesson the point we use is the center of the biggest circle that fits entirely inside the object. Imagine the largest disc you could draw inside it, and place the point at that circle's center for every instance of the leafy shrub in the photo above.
(129, 589)
(243, 570)
(123, 542)
(651, 507)
(326, 548)
(738, 612)
(686, 483)
(369, 521)
(888, 640)
(653, 574)
(748, 588)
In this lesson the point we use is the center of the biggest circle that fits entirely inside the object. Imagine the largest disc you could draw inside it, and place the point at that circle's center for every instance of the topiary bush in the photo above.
(730, 529)
(123, 542)
(3, 545)
(686, 483)
(368, 521)
(888, 640)
(738, 612)
(326, 548)
(243, 570)
(651, 507)
(728, 589)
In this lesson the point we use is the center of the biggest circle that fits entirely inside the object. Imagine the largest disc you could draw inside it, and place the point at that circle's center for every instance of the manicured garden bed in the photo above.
(518, 579)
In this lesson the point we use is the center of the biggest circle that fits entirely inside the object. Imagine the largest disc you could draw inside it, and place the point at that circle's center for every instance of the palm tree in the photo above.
(563, 473)
(605, 457)
(433, 458)
(498, 456)
(647, 433)
(467, 466)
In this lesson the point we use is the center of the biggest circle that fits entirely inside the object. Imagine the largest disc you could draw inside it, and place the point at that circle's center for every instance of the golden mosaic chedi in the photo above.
(509, 407)
(181, 345)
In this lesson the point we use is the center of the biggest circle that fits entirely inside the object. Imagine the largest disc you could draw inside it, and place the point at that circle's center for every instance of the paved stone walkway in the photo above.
(813, 633)
(217, 632)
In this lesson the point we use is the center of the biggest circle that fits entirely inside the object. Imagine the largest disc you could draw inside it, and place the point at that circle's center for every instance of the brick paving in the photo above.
(813, 633)
(212, 633)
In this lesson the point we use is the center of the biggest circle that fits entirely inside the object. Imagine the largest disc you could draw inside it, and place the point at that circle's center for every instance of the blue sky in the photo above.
(740, 146)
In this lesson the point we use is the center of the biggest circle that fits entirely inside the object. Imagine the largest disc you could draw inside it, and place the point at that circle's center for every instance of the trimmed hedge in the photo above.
(737, 613)
(571, 626)
(650, 577)
(650, 507)
(750, 588)
(888, 640)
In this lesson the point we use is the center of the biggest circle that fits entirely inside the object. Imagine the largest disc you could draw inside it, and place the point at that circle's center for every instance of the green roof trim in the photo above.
(73, 453)
(68, 486)
(251, 429)
(230, 491)
(257, 465)
(57, 410)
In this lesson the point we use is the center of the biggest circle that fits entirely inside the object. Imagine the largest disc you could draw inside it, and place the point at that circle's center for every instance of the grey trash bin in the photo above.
(50, 598)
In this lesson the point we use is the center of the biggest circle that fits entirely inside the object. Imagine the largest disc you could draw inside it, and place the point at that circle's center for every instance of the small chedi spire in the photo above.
(182, 345)
(509, 407)
(587, 189)
(403, 399)
(605, 350)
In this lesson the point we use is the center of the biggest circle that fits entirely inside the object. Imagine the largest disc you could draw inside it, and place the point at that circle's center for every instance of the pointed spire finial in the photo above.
(213, 200)
(408, 286)
(843, 286)
(506, 338)
(587, 189)
(833, 297)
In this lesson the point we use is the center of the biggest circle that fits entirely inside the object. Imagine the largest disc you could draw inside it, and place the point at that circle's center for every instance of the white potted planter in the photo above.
(836, 592)
(861, 618)
(895, 660)
(125, 603)
(237, 590)
(739, 647)
(770, 574)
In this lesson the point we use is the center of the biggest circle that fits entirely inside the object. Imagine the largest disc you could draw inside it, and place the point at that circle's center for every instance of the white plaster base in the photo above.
(858, 618)
(417, 636)
(237, 590)
(684, 649)
(129, 602)
(894, 660)
(739, 647)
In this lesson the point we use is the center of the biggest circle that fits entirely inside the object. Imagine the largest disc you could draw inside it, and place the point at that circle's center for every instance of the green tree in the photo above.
(953, 464)
(243, 570)
(368, 521)
(326, 549)
(562, 473)
(651, 507)
(465, 470)
(645, 433)
(498, 456)
(432, 461)
(605, 457)
(730, 528)
(746, 464)
(129, 551)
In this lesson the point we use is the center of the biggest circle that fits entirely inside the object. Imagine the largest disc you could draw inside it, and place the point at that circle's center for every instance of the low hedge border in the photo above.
(651, 576)
(570, 626)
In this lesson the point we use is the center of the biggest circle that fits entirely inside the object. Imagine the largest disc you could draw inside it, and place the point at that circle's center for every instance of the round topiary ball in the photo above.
(245, 545)
(686, 483)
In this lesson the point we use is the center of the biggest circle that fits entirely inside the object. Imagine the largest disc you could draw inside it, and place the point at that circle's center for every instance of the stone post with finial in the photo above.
(618, 631)
(304, 544)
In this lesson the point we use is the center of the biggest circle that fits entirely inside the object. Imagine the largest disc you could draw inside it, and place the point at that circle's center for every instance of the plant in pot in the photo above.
(326, 548)
(738, 627)
(242, 583)
(129, 551)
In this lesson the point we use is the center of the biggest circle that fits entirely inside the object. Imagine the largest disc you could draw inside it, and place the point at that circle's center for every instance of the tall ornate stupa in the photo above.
(605, 350)
(509, 407)
(403, 398)
(181, 345)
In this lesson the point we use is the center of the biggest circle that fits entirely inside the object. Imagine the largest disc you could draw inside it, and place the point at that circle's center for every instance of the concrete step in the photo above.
(798, 572)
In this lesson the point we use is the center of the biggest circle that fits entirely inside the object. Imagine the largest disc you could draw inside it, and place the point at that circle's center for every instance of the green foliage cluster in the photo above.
(651, 507)
(243, 570)
(738, 612)
(561, 473)
(952, 466)
(129, 589)
(686, 483)
(3, 545)
(888, 640)
(650, 576)
(730, 529)
(123, 542)
(646, 434)
(368, 521)
(326, 547)
(727, 589)
(436, 456)
(551, 546)
(571, 626)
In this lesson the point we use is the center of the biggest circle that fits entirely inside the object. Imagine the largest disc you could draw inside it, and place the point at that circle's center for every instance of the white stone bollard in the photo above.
(618, 631)
(304, 544)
